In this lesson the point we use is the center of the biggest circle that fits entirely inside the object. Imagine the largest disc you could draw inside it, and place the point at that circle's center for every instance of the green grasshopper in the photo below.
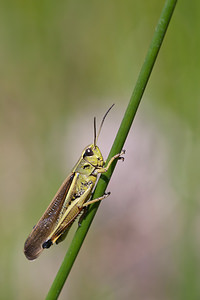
(71, 198)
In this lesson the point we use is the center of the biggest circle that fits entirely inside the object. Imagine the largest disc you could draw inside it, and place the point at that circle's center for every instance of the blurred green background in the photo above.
(61, 64)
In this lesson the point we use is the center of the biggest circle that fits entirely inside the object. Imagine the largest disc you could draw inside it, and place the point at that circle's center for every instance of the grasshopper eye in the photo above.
(88, 152)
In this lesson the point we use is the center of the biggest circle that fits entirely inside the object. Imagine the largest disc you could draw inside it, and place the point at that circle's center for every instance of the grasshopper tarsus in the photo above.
(107, 194)
(121, 158)
(122, 153)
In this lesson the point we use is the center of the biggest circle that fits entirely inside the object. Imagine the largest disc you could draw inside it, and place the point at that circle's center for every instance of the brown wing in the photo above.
(39, 234)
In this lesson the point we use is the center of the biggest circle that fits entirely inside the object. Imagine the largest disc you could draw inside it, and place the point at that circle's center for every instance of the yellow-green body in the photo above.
(72, 197)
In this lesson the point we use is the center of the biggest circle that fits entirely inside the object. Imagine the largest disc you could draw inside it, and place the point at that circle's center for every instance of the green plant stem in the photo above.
(126, 123)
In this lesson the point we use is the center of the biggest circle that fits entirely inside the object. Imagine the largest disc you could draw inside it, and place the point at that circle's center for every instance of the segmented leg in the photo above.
(96, 200)
(105, 169)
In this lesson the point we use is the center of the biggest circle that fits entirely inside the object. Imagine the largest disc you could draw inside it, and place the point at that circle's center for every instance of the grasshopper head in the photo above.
(93, 156)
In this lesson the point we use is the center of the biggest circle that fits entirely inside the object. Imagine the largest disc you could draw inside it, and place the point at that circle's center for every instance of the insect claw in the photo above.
(107, 194)
(121, 158)
(122, 153)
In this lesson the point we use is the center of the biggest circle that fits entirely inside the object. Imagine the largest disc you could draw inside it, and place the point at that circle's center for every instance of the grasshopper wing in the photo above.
(39, 234)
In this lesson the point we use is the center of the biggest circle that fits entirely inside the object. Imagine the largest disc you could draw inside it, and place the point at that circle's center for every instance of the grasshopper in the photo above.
(71, 199)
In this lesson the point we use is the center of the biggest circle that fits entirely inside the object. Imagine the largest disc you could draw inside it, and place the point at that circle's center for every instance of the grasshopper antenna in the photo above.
(95, 132)
(97, 136)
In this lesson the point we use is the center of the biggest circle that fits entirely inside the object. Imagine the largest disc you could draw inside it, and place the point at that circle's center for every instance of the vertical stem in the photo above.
(126, 123)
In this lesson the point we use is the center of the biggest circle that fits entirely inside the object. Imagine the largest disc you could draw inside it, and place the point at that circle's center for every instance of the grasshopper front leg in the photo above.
(105, 169)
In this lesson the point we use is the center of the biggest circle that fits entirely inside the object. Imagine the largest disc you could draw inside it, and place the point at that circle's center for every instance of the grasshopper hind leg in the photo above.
(82, 217)
(63, 235)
